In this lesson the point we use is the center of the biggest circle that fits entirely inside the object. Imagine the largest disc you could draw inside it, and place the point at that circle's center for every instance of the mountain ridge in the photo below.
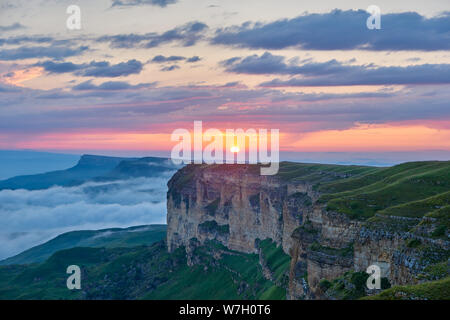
(89, 167)
(110, 237)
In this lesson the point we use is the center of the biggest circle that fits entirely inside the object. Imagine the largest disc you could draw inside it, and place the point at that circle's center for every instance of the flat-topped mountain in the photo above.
(330, 219)
(25, 162)
(92, 167)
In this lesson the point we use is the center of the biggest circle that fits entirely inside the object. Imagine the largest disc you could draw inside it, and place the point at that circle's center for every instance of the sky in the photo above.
(139, 69)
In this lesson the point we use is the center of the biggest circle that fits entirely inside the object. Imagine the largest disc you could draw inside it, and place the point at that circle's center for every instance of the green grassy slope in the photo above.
(277, 261)
(418, 208)
(321, 173)
(411, 189)
(434, 290)
(142, 272)
(46, 280)
(289, 171)
(109, 238)
(234, 275)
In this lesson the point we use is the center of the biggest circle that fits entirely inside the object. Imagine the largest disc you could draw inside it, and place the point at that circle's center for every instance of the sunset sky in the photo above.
(139, 69)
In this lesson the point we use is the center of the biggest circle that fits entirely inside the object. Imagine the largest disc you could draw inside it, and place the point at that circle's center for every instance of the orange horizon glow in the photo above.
(361, 137)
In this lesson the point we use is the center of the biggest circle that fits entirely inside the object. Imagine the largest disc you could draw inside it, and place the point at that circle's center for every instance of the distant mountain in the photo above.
(144, 167)
(108, 238)
(91, 167)
(24, 162)
(88, 167)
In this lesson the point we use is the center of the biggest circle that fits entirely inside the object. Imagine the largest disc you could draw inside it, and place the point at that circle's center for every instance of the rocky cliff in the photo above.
(235, 205)
(313, 213)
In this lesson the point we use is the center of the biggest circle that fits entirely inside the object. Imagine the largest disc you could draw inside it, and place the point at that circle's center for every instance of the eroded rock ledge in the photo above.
(236, 206)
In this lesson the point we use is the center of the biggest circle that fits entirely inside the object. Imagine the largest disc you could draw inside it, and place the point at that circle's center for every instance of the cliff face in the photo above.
(236, 206)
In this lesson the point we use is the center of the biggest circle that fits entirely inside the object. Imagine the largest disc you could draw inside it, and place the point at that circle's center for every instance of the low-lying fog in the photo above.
(28, 218)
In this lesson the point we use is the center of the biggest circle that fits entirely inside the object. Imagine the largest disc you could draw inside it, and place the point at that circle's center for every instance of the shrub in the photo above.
(439, 231)
(413, 243)
(324, 285)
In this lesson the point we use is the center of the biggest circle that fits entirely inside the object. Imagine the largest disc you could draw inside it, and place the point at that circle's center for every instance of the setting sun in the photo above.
(234, 149)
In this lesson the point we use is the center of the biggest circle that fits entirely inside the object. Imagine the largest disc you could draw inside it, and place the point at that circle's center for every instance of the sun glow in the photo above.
(234, 149)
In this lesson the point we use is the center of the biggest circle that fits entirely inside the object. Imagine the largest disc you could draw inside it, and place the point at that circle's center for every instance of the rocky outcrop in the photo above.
(236, 206)
(402, 256)
(243, 204)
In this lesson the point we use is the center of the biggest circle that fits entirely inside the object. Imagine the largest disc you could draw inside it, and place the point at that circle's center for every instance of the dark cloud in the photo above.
(186, 35)
(360, 75)
(105, 69)
(60, 67)
(173, 59)
(170, 68)
(25, 39)
(110, 86)
(232, 84)
(131, 40)
(254, 64)
(55, 52)
(12, 27)
(193, 59)
(342, 30)
(94, 68)
(163, 59)
(335, 73)
(129, 3)
(268, 63)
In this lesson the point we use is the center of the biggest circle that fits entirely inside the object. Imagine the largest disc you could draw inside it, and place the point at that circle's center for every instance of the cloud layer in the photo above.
(130, 3)
(57, 89)
(94, 68)
(335, 73)
(342, 30)
(55, 52)
(186, 35)
(32, 217)
(110, 86)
